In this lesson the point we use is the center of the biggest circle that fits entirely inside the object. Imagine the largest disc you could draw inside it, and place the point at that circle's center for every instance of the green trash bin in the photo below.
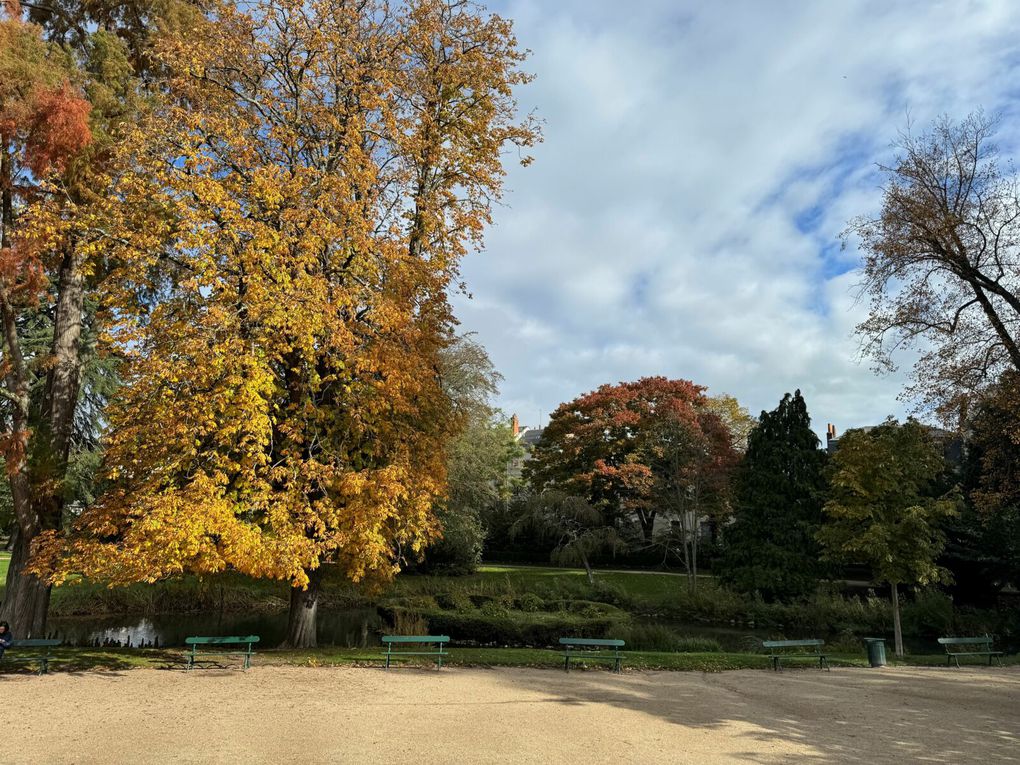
(876, 651)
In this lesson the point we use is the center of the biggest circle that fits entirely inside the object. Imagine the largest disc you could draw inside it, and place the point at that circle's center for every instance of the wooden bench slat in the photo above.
(415, 639)
(613, 642)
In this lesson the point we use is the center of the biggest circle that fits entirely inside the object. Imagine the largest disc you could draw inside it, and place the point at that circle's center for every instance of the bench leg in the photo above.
(440, 661)
(617, 664)
(387, 660)
(566, 663)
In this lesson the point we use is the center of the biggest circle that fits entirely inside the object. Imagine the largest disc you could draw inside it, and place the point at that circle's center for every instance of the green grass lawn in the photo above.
(651, 587)
(74, 660)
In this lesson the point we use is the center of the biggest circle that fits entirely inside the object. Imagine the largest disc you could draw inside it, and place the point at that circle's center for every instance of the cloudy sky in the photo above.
(682, 216)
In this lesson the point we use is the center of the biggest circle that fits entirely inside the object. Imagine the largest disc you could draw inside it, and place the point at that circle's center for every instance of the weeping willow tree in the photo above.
(581, 530)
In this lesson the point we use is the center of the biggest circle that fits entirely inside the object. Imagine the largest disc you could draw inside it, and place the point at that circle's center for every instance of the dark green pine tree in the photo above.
(770, 547)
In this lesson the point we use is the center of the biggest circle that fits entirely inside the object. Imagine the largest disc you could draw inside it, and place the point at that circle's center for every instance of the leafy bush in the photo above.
(929, 614)
(494, 607)
(656, 637)
(455, 600)
(529, 602)
(409, 622)
(518, 628)
(459, 551)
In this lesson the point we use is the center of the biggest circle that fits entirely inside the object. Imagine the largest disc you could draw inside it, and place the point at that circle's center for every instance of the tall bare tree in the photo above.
(942, 263)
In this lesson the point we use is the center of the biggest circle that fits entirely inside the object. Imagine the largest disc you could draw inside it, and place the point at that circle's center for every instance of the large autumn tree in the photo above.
(608, 446)
(61, 107)
(942, 262)
(314, 174)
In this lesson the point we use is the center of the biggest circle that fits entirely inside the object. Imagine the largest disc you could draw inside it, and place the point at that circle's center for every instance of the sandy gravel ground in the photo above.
(287, 715)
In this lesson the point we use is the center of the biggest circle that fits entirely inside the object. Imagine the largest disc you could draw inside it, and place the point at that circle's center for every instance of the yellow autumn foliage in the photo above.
(295, 213)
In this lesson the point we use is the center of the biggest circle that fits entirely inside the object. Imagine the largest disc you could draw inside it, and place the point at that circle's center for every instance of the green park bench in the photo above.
(221, 646)
(973, 646)
(788, 649)
(596, 649)
(436, 644)
(39, 652)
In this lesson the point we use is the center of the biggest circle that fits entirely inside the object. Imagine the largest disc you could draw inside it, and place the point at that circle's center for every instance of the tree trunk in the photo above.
(26, 598)
(301, 621)
(897, 627)
(647, 521)
(694, 562)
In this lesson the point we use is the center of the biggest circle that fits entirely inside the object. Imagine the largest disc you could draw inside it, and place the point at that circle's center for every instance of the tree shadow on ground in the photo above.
(845, 716)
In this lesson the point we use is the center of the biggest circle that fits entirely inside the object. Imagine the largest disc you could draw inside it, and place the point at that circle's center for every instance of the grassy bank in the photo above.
(76, 660)
(528, 606)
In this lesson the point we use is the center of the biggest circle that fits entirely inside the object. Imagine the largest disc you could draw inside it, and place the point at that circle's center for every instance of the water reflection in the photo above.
(354, 628)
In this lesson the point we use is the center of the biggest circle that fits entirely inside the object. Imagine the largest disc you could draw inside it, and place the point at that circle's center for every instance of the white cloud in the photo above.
(661, 229)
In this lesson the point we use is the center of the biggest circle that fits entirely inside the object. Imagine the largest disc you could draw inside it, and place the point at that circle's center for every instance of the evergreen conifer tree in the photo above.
(770, 548)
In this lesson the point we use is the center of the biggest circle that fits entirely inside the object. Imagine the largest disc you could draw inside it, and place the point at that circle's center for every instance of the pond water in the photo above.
(354, 628)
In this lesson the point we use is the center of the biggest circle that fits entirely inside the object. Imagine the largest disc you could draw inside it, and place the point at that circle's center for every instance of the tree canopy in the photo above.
(883, 508)
(779, 489)
(601, 446)
(942, 263)
(300, 198)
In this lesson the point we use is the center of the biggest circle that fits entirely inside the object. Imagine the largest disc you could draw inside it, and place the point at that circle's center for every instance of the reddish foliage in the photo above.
(60, 129)
(602, 445)
(21, 275)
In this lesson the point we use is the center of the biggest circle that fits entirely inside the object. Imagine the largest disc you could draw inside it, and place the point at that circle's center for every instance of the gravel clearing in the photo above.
(288, 715)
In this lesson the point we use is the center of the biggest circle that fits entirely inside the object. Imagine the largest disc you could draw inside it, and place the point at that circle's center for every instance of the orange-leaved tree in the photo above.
(626, 448)
(321, 167)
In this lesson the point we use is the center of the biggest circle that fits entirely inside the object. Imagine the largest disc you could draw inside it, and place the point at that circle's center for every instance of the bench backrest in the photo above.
(948, 641)
(416, 639)
(593, 642)
(816, 644)
(35, 643)
(232, 640)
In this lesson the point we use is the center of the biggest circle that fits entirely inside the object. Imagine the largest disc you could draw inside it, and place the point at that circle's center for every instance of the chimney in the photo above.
(830, 432)
(515, 425)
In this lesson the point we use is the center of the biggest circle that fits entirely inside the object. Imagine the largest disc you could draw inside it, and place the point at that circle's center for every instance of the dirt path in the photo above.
(314, 715)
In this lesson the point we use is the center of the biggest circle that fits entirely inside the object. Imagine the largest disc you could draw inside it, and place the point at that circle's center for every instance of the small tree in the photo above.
(581, 531)
(880, 509)
(691, 458)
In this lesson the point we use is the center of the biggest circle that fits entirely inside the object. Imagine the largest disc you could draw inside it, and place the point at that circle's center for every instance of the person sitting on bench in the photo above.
(6, 638)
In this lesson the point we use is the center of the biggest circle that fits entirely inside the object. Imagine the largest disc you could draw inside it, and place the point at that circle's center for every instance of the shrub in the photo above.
(455, 600)
(409, 622)
(529, 602)
(929, 614)
(494, 607)
(519, 628)
(657, 637)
